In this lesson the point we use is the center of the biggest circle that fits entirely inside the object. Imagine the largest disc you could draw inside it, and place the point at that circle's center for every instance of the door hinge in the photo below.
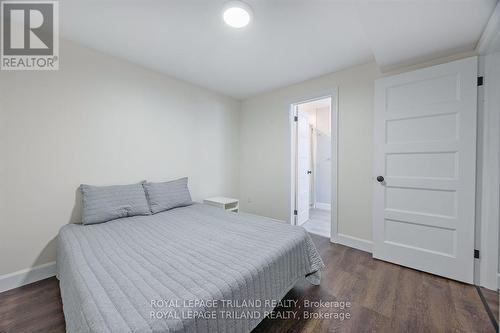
(296, 118)
(295, 212)
(476, 254)
(480, 80)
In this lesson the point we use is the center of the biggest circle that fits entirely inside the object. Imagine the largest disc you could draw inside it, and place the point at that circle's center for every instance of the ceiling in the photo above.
(289, 41)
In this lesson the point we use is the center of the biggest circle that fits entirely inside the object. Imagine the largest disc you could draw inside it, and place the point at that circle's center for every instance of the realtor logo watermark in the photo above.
(29, 35)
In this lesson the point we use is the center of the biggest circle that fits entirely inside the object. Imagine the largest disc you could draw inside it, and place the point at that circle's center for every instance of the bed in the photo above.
(172, 271)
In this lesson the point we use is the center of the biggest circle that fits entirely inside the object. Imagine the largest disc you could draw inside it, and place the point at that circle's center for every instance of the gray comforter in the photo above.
(191, 269)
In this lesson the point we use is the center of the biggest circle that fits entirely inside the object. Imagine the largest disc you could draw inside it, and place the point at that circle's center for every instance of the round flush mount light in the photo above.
(237, 14)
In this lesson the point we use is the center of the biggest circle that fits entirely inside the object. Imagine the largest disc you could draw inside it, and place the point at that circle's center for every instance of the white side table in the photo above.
(228, 204)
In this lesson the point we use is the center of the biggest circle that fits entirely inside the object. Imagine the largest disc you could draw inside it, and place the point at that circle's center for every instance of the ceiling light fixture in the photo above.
(237, 14)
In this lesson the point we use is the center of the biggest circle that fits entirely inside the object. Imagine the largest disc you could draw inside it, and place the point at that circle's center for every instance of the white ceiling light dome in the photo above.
(237, 14)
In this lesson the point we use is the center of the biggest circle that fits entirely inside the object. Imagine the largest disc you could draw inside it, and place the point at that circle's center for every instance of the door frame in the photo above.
(488, 220)
(296, 164)
(488, 174)
(333, 95)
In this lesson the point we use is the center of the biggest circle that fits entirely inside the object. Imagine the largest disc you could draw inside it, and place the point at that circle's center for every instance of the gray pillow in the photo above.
(168, 195)
(105, 203)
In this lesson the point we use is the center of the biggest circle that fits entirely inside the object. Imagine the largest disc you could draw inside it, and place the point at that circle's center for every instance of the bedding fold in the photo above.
(182, 270)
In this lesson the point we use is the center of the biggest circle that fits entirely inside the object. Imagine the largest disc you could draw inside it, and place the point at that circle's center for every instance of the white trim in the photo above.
(334, 129)
(354, 242)
(27, 276)
(291, 168)
(323, 206)
(489, 223)
(489, 171)
(491, 32)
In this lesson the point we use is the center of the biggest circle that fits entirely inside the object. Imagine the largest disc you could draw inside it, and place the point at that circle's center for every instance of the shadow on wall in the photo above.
(44, 257)
(49, 251)
(76, 213)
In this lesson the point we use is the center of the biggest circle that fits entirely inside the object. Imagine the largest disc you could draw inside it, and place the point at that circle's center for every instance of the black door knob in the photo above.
(380, 179)
(309, 172)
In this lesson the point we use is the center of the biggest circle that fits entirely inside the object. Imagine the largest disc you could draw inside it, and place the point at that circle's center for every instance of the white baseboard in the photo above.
(321, 205)
(354, 242)
(27, 276)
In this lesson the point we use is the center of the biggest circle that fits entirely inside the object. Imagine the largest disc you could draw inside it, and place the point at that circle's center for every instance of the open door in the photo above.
(424, 164)
(303, 167)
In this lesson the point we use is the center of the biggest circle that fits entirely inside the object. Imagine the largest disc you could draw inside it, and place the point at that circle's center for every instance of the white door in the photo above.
(303, 164)
(425, 149)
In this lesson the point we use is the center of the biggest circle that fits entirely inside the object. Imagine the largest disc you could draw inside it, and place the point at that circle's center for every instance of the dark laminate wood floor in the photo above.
(491, 298)
(385, 298)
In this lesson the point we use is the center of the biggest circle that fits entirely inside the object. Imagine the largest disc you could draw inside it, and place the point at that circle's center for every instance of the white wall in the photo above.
(100, 120)
(323, 120)
(323, 169)
(265, 157)
(323, 165)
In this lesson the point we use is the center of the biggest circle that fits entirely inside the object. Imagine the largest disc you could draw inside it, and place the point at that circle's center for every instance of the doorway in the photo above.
(314, 164)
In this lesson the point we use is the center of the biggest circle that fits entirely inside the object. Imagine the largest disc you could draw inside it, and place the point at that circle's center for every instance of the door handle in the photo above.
(380, 179)
(309, 172)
